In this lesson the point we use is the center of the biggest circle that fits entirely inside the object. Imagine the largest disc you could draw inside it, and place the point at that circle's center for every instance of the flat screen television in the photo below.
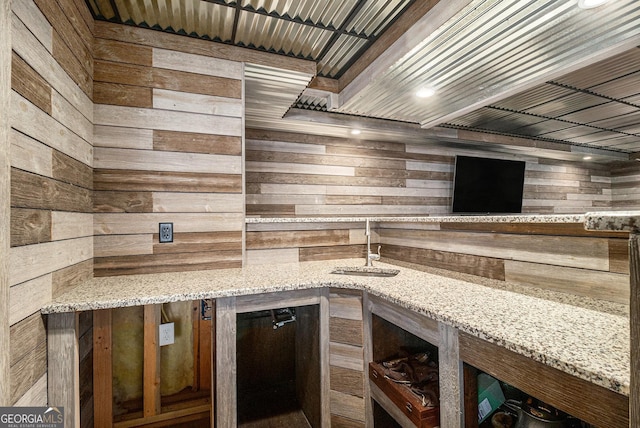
(487, 186)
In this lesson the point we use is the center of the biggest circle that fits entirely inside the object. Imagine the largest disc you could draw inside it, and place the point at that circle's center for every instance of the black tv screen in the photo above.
(487, 186)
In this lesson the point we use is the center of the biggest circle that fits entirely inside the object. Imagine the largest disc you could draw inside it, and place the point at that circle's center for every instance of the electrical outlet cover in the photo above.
(167, 334)
(165, 232)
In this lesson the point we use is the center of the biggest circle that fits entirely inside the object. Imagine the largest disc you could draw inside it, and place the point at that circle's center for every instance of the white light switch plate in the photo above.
(166, 334)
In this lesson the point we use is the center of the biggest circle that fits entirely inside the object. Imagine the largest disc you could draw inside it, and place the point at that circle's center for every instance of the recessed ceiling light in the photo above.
(587, 158)
(590, 4)
(355, 132)
(425, 92)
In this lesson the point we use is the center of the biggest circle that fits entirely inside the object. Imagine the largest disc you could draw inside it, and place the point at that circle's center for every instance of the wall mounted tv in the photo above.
(487, 186)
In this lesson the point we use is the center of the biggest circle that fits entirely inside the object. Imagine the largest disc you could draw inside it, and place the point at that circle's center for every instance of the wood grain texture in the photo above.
(67, 278)
(122, 95)
(117, 224)
(71, 65)
(30, 226)
(619, 255)
(199, 64)
(70, 225)
(450, 378)
(32, 261)
(102, 378)
(30, 120)
(174, 262)
(144, 160)
(550, 385)
(225, 363)
(63, 366)
(332, 252)
(174, 42)
(27, 298)
(345, 331)
(122, 245)
(28, 83)
(634, 321)
(27, 371)
(166, 181)
(481, 266)
(172, 141)
(579, 252)
(197, 103)
(26, 336)
(608, 286)
(33, 18)
(347, 405)
(347, 381)
(65, 168)
(122, 202)
(30, 155)
(151, 371)
(346, 356)
(40, 59)
(34, 191)
(36, 395)
(264, 240)
(124, 52)
(124, 138)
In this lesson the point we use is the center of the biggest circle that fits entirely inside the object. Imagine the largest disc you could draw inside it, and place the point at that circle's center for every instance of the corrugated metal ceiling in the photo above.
(332, 33)
(523, 68)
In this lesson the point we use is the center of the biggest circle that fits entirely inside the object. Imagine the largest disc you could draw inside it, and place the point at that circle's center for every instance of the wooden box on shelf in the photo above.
(409, 403)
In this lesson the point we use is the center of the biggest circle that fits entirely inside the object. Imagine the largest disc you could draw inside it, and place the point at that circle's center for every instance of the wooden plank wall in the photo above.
(5, 192)
(346, 359)
(559, 257)
(168, 140)
(297, 175)
(625, 185)
(51, 177)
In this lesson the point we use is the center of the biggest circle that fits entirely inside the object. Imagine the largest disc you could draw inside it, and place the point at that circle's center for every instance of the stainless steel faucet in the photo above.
(370, 256)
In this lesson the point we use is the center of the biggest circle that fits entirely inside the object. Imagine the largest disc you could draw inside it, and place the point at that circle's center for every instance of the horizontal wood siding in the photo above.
(51, 140)
(168, 142)
(346, 376)
(298, 175)
(625, 185)
(557, 257)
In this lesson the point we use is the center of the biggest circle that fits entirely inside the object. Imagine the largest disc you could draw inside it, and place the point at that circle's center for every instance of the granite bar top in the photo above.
(518, 218)
(586, 343)
(614, 221)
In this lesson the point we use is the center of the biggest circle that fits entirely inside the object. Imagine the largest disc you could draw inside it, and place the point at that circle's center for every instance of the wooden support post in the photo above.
(368, 357)
(63, 366)
(634, 319)
(151, 377)
(325, 386)
(5, 200)
(451, 378)
(470, 396)
(102, 369)
(225, 363)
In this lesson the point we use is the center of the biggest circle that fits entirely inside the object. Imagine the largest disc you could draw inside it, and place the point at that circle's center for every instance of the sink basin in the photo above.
(365, 271)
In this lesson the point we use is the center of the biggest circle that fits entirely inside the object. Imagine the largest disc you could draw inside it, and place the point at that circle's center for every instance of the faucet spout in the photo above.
(370, 256)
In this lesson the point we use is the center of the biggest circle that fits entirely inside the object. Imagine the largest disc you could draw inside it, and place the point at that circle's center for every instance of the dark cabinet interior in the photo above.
(390, 342)
(278, 370)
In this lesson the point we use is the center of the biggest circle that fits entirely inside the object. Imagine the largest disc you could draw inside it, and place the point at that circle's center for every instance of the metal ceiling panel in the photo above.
(622, 87)
(603, 71)
(533, 97)
(493, 46)
(270, 92)
(280, 36)
(340, 55)
(376, 16)
(543, 128)
(600, 112)
(327, 13)
(567, 104)
(620, 122)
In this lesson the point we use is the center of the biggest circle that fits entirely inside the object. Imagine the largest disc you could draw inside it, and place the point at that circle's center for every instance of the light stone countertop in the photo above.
(516, 218)
(590, 344)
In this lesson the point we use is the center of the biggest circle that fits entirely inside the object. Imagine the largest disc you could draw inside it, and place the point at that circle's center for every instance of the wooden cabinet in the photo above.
(461, 355)
(310, 360)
